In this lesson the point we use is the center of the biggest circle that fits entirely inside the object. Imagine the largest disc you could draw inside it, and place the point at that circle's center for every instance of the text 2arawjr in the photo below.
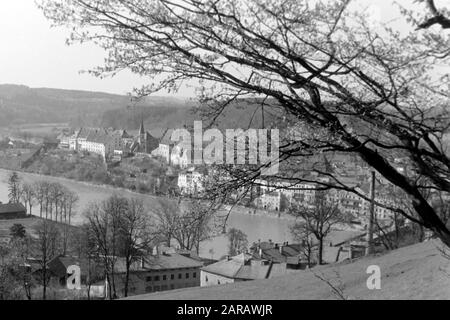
(245, 309)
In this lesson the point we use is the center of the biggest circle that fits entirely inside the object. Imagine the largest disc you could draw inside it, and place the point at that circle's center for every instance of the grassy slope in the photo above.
(414, 272)
(29, 223)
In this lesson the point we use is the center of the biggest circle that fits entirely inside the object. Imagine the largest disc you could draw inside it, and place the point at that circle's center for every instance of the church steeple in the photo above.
(141, 129)
(142, 132)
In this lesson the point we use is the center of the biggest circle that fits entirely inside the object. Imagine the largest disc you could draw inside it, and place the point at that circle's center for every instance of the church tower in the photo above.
(142, 133)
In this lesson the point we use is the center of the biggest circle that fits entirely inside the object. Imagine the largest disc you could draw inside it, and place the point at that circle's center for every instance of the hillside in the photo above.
(414, 272)
(30, 223)
(22, 104)
(241, 114)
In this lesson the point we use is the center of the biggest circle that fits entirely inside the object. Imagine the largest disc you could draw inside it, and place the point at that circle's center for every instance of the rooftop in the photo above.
(11, 208)
(413, 272)
(245, 267)
(164, 261)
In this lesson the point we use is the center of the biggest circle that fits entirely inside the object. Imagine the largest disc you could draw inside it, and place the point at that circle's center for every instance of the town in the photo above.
(166, 260)
(224, 150)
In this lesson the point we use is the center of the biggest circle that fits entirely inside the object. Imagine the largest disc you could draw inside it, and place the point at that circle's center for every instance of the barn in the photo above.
(12, 211)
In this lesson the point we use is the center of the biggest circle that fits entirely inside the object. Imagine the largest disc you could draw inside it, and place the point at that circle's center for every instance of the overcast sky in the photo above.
(33, 54)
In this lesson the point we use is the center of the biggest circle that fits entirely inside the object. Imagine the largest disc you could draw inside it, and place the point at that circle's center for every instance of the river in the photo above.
(254, 226)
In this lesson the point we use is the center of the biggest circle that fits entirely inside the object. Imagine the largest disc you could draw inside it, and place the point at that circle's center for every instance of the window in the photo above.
(180, 276)
(187, 275)
(164, 277)
(172, 286)
(194, 274)
(172, 276)
(149, 278)
(156, 278)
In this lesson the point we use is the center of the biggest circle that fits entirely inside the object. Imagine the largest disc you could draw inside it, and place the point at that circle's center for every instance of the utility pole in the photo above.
(370, 248)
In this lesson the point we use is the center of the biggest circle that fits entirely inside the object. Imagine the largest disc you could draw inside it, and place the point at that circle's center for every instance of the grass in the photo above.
(29, 223)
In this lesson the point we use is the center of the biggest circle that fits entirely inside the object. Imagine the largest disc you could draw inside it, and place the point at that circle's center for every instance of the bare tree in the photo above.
(68, 202)
(302, 233)
(46, 247)
(22, 250)
(14, 188)
(167, 215)
(104, 221)
(349, 83)
(83, 246)
(136, 234)
(237, 241)
(438, 16)
(319, 219)
(28, 196)
(194, 225)
(39, 193)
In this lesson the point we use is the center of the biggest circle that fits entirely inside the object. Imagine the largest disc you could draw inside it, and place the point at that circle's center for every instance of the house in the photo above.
(269, 201)
(291, 254)
(243, 267)
(165, 146)
(161, 271)
(191, 181)
(12, 211)
(58, 268)
(99, 142)
(77, 138)
(145, 142)
(64, 140)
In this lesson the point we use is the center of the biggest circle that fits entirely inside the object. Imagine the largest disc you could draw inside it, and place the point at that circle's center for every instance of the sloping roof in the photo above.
(164, 261)
(141, 129)
(122, 133)
(256, 270)
(59, 265)
(239, 267)
(272, 251)
(165, 139)
(12, 208)
(339, 237)
(82, 133)
(98, 136)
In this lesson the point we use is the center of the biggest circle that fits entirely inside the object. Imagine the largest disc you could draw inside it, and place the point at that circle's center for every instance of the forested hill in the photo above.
(24, 105)
(242, 114)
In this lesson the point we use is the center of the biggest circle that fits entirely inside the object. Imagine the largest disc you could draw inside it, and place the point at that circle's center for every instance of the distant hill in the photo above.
(24, 105)
(21, 105)
(241, 114)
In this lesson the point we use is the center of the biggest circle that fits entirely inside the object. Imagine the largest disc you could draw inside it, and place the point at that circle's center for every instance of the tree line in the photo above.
(123, 228)
(54, 200)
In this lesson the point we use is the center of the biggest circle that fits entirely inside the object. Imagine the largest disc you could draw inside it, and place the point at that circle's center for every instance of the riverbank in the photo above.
(255, 226)
(236, 209)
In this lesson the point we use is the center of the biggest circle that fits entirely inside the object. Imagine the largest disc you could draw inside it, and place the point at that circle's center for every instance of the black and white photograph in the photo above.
(222, 155)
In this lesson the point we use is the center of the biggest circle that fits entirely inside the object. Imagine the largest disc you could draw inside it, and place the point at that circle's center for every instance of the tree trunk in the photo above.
(320, 251)
(127, 278)
(44, 284)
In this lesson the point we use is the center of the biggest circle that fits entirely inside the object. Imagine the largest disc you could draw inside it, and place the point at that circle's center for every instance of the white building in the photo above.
(243, 267)
(191, 181)
(94, 140)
